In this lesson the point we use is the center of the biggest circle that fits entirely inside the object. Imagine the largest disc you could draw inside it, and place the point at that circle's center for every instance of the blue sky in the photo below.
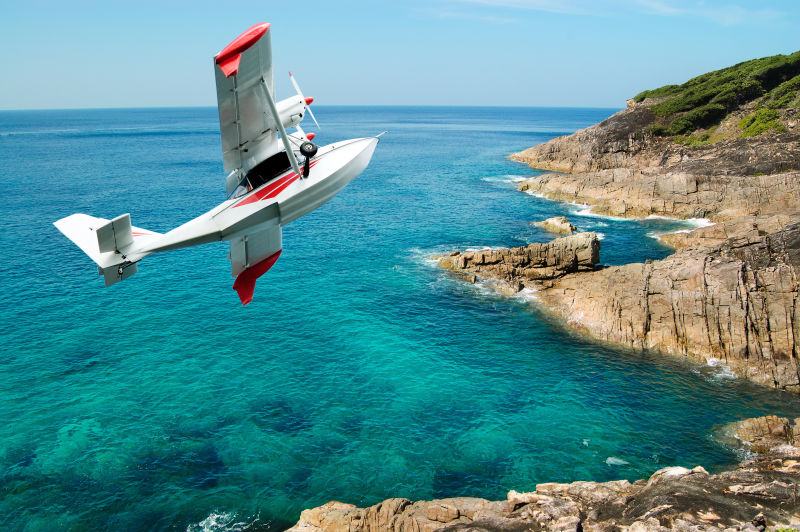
(585, 53)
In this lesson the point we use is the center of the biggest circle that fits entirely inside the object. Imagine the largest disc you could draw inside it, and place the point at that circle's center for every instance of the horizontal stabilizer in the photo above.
(106, 242)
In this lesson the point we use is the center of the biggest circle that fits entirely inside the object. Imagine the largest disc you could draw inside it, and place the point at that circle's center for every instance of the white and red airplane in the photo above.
(266, 185)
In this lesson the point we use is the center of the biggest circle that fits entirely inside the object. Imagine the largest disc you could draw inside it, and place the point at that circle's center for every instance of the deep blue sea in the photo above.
(359, 372)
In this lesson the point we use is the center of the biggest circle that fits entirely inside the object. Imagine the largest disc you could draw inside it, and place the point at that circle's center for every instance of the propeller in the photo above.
(306, 100)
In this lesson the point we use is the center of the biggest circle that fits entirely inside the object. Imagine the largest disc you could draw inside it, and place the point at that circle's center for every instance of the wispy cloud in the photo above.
(568, 7)
(659, 8)
(723, 14)
(726, 15)
(453, 14)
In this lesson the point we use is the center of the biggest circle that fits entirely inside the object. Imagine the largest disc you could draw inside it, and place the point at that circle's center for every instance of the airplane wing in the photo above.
(245, 121)
(252, 255)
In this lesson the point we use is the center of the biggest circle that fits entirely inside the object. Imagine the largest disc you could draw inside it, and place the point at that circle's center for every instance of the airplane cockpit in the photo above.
(262, 173)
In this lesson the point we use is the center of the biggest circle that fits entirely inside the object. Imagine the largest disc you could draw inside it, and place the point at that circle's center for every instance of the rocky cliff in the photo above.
(737, 301)
(762, 492)
(731, 292)
(622, 168)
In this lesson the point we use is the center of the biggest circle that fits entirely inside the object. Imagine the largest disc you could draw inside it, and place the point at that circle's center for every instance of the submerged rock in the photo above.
(761, 493)
(762, 434)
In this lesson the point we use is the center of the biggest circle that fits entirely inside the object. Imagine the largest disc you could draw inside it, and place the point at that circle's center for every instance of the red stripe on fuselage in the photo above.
(271, 190)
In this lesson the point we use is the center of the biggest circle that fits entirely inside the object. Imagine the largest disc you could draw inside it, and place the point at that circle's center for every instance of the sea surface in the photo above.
(360, 371)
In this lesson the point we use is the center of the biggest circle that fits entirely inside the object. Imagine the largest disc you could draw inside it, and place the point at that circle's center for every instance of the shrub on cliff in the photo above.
(706, 99)
(704, 116)
(784, 95)
(759, 122)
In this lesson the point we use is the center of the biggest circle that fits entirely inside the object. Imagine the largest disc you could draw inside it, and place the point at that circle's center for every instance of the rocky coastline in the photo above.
(731, 292)
(761, 494)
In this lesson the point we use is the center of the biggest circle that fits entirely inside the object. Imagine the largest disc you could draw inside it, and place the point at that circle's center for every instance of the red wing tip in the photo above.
(245, 283)
(231, 66)
(231, 53)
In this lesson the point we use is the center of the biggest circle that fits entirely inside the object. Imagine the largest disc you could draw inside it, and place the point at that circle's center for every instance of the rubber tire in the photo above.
(308, 149)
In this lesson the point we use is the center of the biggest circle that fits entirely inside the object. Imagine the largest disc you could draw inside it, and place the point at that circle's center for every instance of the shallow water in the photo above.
(359, 372)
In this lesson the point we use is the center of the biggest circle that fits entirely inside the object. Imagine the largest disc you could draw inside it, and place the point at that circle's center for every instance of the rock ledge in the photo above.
(761, 493)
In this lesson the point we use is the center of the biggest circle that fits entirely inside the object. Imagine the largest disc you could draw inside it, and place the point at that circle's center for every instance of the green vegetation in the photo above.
(783, 96)
(694, 140)
(707, 99)
(703, 116)
(760, 121)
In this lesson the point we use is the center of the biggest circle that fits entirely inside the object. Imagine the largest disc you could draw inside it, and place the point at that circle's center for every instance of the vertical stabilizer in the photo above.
(115, 235)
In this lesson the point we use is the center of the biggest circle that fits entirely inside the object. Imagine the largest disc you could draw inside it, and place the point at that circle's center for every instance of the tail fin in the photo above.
(106, 242)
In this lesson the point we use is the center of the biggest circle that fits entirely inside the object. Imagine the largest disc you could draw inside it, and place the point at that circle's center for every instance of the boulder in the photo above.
(538, 261)
(557, 224)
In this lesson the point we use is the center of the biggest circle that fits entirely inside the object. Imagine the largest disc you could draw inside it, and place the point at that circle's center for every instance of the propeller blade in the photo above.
(300, 93)
(296, 86)
(313, 117)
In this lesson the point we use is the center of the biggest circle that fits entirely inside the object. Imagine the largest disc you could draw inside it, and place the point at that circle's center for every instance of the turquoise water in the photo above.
(359, 372)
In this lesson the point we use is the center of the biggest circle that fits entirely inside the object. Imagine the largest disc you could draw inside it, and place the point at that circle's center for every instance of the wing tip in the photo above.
(228, 58)
(245, 283)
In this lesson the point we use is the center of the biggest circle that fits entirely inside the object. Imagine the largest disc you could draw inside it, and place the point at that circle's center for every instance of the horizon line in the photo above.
(164, 107)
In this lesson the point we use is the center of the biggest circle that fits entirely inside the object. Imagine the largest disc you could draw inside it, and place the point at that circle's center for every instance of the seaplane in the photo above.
(273, 177)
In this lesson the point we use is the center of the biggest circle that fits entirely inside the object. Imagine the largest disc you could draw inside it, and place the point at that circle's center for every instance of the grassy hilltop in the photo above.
(759, 89)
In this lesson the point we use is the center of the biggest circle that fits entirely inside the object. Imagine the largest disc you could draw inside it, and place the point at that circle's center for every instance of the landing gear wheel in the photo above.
(308, 149)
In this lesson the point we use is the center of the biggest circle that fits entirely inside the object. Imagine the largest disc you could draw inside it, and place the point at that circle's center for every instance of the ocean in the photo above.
(359, 372)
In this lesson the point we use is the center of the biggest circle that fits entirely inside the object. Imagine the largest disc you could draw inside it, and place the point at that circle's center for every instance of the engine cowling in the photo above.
(291, 110)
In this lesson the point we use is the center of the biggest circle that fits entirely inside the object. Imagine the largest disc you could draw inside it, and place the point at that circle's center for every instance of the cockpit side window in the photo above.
(268, 169)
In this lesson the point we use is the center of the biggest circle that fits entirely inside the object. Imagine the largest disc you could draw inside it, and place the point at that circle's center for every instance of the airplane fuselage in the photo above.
(276, 203)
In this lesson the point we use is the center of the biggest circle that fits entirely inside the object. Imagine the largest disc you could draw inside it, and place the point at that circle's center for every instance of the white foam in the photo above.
(716, 371)
(598, 224)
(600, 236)
(487, 288)
(507, 179)
(536, 194)
(586, 210)
(425, 257)
(527, 294)
(696, 223)
(221, 522)
(721, 369)
(614, 461)
(585, 442)
(484, 248)
(700, 222)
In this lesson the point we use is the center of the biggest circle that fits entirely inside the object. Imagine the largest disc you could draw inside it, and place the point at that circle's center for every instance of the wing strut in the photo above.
(284, 137)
